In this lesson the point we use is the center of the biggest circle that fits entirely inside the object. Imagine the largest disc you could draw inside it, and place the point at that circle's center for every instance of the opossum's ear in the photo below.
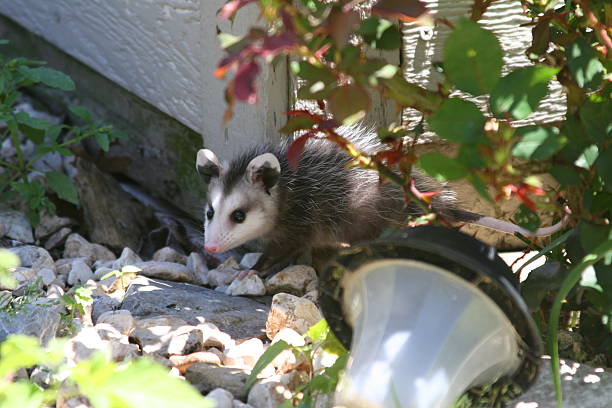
(264, 169)
(207, 165)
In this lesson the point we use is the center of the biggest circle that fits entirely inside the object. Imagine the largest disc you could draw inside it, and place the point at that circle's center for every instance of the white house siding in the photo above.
(164, 51)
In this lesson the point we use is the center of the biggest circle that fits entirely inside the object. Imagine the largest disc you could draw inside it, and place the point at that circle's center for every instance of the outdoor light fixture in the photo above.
(429, 313)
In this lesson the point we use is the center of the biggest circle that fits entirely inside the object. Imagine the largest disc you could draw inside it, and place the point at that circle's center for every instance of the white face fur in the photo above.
(248, 211)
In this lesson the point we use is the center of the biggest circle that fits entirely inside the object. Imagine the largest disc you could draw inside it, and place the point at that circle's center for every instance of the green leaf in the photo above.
(380, 33)
(265, 359)
(318, 331)
(103, 142)
(603, 165)
(143, 383)
(582, 61)
(526, 218)
(587, 157)
(470, 156)
(349, 103)
(538, 143)
(34, 123)
(315, 90)
(519, 93)
(81, 112)
(22, 394)
(458, 121)
(565, 175)
(472, 58)
(596, 119)
(312, 72)
(54, 78)
(441, 167)
(296, 123)
(480, 186)
(63, 186)
(52, 132)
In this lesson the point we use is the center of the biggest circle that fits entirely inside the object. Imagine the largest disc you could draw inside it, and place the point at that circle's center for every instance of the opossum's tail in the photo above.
(508, 227)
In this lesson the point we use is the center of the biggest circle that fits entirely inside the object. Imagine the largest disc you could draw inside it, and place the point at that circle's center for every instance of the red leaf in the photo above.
(321, 104)
(229, 8)
(404, 10)
(244, 82)
(389, 156)
(226, 64)
(275, 44)
(341, 25)
(296, 149)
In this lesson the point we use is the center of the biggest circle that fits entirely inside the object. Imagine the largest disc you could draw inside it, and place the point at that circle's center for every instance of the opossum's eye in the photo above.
(210, 213)
(238, 216)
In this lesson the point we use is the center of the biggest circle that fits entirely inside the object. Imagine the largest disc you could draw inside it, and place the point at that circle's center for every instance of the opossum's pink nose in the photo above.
(211, 248)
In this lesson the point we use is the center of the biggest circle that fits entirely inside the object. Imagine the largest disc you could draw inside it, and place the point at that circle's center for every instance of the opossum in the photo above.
(322, 204)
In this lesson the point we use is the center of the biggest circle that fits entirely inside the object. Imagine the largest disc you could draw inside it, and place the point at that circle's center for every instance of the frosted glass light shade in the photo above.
(421, 336)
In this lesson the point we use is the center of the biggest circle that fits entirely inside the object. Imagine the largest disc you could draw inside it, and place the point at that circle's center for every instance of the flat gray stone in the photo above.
(237, 316)
(583, 387)
(166, 270)
(40, 319)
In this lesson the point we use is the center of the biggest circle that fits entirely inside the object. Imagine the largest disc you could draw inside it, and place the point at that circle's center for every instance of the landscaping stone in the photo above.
(34, 257)
(290, 337)
(76, 246)
(57, 238)
(250, 286)
(221, 276)
(79, 273)
(121, 320)
(39, 319)
(237, 316)
(50, 223)
(249, 260)
(111, 215)
(292, 312)
(182, 362)
(127, 257)
(154, 334)
(166, 270)
(102, 304)
(206, 377)
(244, 354)
(296, 280)
(16, 225)
(267, 395)
(185, 340)
(46, 275)
(196, 264)
(168, 254)
(222, 398)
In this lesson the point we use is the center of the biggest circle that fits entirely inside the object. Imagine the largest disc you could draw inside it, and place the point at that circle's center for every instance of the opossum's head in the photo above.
(242, 200)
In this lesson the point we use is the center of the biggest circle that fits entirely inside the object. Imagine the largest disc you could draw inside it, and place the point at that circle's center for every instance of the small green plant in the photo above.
(17, 74)
(75, 302)
(106, 384)
(323, 381)
(28, 294)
